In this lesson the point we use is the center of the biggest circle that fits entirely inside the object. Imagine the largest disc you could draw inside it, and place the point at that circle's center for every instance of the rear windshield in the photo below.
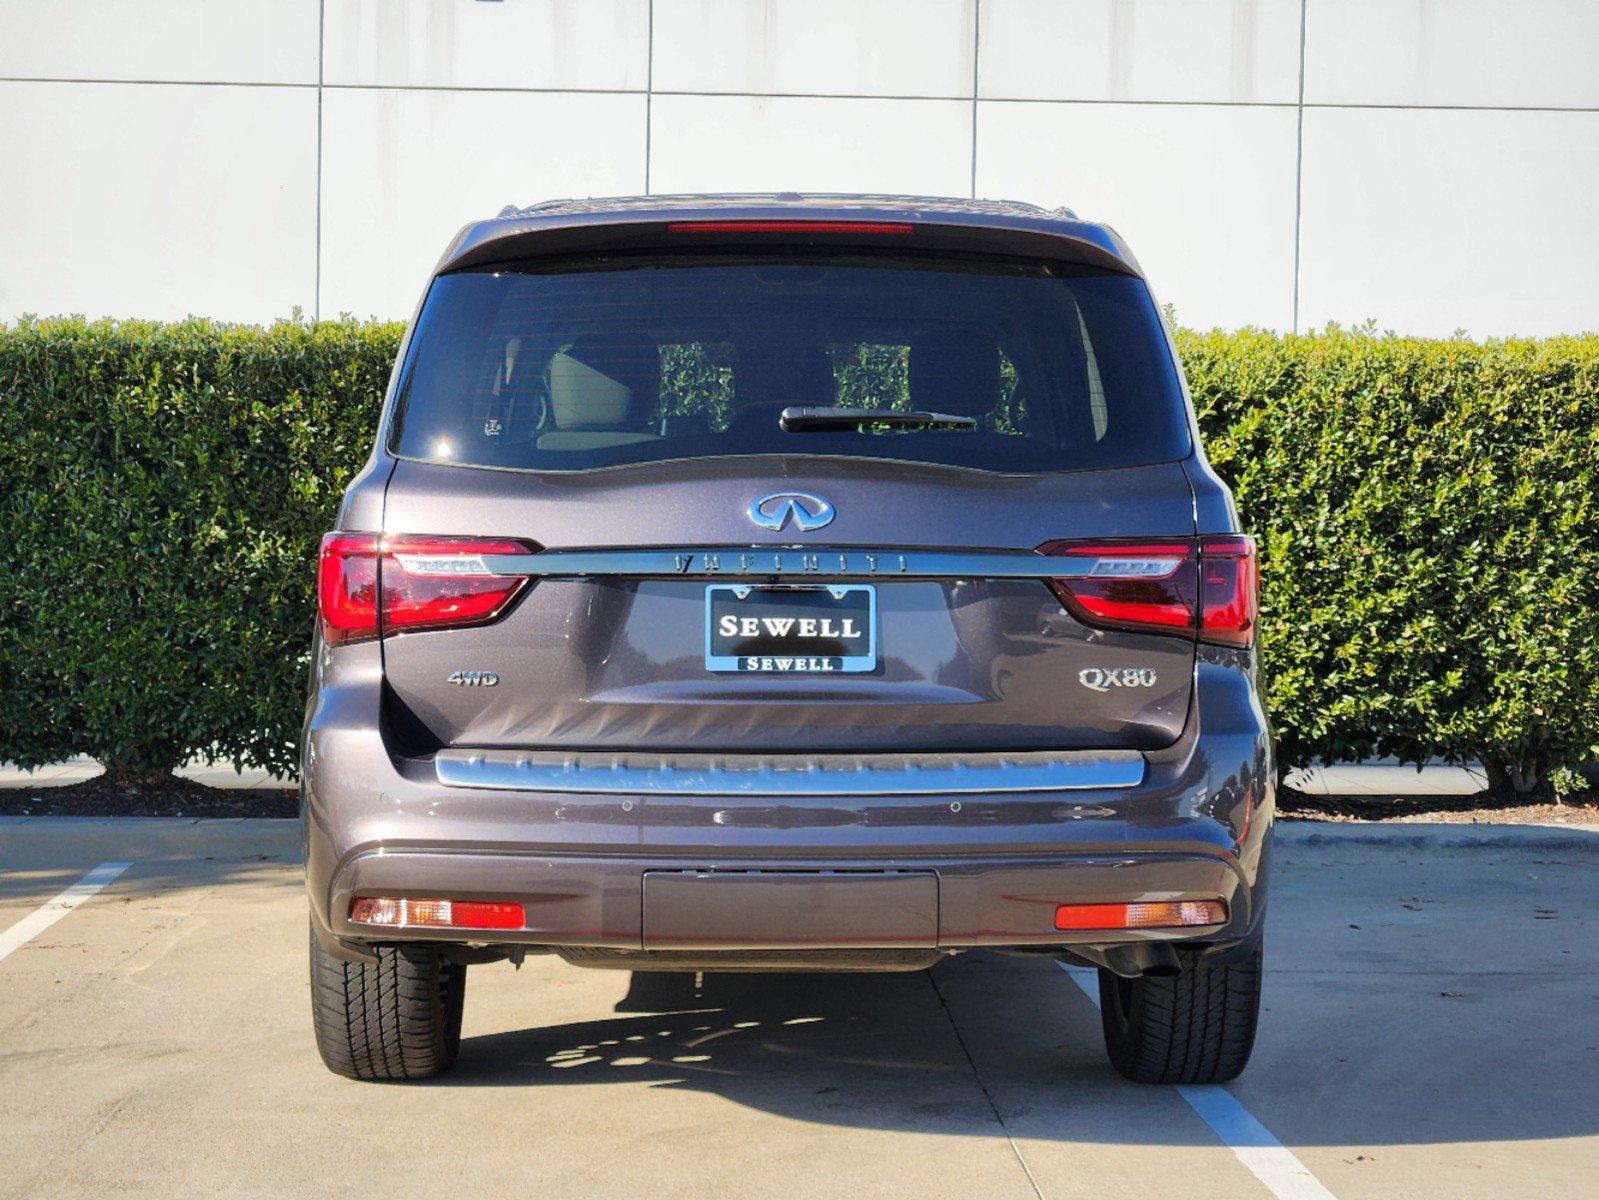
(573, 368)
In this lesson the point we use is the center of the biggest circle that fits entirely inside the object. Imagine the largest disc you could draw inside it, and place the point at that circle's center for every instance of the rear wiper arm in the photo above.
(825, 420)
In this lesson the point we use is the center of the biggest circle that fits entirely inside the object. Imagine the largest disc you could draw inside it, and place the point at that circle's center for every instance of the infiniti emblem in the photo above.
(807, 512)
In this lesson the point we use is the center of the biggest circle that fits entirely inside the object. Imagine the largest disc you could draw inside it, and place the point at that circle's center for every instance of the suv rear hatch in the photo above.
(672, 556)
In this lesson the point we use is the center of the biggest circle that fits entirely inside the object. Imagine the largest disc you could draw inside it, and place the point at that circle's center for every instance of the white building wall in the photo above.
(1428, 164)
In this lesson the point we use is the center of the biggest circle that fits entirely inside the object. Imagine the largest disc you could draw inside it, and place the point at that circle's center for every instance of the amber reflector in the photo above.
(1174, 914)
(436, 914)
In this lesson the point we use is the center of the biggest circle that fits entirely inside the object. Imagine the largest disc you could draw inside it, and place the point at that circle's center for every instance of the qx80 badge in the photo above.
(1102, 679)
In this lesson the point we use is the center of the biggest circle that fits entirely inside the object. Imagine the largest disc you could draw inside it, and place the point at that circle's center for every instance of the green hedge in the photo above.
(164, 490)
(1430, 538)
(1426, 510)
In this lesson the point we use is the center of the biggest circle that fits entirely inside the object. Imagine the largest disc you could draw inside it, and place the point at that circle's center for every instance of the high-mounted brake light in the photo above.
(377, 584)
(1204, 587)
(893, 228)
(436, 914)
(1176, 914)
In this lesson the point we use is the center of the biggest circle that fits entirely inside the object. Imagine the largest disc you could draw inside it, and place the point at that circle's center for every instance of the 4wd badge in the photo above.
(474, 679)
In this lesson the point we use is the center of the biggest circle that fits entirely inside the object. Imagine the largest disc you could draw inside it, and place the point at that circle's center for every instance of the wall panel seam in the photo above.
(1299, 158)
(321, 62)
(649, 95)
(977, 45)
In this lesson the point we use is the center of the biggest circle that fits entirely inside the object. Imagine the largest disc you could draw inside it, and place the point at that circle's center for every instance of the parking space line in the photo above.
(47, 914)
(1267, 1159)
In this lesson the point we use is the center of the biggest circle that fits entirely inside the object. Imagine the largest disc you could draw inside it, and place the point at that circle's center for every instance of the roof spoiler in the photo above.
(535, 236)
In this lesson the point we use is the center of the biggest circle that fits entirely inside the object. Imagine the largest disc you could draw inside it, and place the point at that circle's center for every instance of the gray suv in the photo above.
(821, 583)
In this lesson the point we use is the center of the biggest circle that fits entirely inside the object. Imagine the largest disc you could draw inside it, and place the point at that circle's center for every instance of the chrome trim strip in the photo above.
(789, 775)
(793, 562)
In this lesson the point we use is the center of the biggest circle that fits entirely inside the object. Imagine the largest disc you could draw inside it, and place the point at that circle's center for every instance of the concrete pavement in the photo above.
(1430, 1031)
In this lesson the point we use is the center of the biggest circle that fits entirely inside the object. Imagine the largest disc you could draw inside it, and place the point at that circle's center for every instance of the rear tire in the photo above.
(397, 1018)
(1194, 1027)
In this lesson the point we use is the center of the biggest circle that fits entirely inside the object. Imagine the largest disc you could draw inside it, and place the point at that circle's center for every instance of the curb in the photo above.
(1438, 836)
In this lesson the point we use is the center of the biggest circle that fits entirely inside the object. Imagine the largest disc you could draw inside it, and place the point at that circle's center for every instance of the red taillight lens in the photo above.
(897, 228)
(435, 583)
(1206, 585)
(1229, 590)
(436, 914)
(1149, 586)
(347, 587)
(370, 584)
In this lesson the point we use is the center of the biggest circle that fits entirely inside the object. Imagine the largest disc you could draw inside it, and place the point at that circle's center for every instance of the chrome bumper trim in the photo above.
(791, 562)
(789, 775)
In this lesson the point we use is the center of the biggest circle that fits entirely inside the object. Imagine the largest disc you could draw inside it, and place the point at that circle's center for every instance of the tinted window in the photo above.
(578, 368)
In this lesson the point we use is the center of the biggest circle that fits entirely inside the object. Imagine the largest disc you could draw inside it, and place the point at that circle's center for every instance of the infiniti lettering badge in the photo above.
(806, 511)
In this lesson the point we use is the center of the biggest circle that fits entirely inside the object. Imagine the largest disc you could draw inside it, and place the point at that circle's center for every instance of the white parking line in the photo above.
(1268, 1159)
(41, 918)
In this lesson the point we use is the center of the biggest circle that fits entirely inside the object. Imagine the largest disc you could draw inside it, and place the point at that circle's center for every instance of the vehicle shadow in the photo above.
(869, 1050)
(1396, 1013)
(946, 1050)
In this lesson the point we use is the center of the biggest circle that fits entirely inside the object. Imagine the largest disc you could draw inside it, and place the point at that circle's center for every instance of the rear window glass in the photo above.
(561, 369)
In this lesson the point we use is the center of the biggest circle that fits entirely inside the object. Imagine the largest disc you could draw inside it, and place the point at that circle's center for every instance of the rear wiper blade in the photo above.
(823, 420)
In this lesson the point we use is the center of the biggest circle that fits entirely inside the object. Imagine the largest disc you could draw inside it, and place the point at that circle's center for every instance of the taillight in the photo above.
(347, 587)
(1229, 590)
(1145, 586)
(1204, 587)
(435, 583)
(371, 584)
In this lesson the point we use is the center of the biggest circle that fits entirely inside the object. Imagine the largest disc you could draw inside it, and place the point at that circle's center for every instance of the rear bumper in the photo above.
(628, 903)
(650, 871)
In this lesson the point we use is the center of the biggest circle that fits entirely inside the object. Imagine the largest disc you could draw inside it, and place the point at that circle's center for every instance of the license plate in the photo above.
(790, 630)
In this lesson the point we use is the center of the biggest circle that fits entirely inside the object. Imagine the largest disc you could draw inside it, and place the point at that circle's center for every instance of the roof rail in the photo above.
(782, 199)
(530, 210)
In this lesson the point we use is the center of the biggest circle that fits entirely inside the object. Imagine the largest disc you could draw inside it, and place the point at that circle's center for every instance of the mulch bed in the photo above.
(173, 798)
(1497, 807)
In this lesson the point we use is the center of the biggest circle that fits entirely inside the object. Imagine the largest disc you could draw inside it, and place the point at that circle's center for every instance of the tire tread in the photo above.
(396, 1018)
(1194, 1027)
